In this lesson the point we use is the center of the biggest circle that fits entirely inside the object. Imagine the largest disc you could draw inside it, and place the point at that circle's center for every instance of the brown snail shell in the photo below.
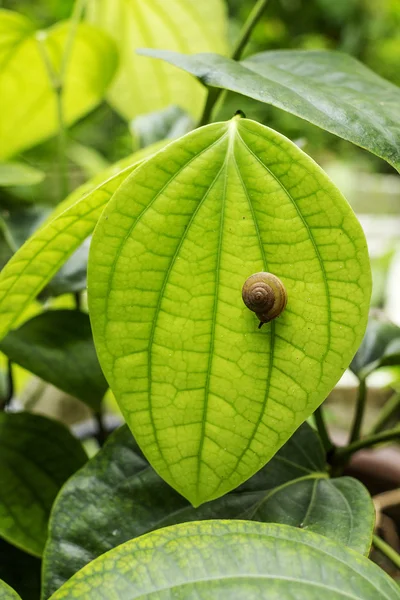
(264, 294)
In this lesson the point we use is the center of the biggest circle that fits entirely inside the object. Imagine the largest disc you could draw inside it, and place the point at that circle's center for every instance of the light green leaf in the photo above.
(37, 456)
(57, 346)
(15, 173)
(33, 266)
(116, 496)
(28, 112)
(182, 25)
(332, 90)
(208, 396)
(216, 560)
(7, 593)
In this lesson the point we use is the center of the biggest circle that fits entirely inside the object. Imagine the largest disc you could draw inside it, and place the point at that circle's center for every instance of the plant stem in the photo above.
(10, 387)
(387, 550)
(244, 36)
(101, 435)
(360, 409)
(390, 408)
(78, 300)
(342, 454)
(57, 81)
(322, 429)
(8, 236)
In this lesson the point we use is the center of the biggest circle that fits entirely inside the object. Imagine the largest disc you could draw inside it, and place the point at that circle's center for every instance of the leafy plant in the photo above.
(216, 486)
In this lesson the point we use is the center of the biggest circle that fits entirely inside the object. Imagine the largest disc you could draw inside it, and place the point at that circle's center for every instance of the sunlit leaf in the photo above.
(183, 25)
(28, 113)
(37, 456)
(33, 266)
(57, 346)
(7, 593)
(330, 89)
(231, 559)
(209, 397)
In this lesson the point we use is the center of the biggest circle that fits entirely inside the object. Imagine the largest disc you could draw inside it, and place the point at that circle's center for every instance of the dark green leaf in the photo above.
(58, 347)
(20, 570)
(220, 560)
(15, 173)
(329, 89)
(380, 347)
(118, 496)
(170, 123)
(37, 455)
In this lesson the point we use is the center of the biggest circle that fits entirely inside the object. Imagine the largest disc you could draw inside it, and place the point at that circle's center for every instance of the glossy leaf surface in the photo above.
(209, 397)
(117, 496)
(182, 25)
(57, 346)
(216, 560)
(37, 456)
(332, 90)
(33, 266)
(23, 72)
(170, 123)
(380, 346)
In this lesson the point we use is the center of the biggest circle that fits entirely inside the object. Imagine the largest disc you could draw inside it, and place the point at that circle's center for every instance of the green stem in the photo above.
(244, 36)
(387, 550)
(341, 455)
(360, 409)
(10, 387)
(387, 412)
(57, 81)
(8, 236)
(322, 429)
(101, 435)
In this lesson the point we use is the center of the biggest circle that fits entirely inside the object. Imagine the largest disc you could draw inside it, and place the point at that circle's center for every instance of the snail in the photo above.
(264, 294)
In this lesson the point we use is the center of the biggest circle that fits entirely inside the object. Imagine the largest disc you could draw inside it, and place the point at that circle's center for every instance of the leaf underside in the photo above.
(215, 560)
(329, 89)
(208, 396)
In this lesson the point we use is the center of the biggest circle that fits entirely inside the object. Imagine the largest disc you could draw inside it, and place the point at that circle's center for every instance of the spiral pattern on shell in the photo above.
(264, 294)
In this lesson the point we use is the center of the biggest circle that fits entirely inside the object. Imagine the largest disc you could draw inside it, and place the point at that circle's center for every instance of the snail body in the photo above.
(264, 294)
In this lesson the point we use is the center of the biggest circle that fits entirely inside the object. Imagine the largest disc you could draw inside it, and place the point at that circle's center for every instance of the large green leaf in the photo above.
(209, 397)
(28, 112)
(330, 89)
(37, 456)
(33, 266)
(183, 25)
(7, 593)
(116, 496)
(216, 560)
(20, 570)
(58, 347)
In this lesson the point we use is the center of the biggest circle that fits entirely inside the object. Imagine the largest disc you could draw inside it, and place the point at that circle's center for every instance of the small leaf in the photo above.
(116, 496)
(231, 559)
(379, 346)
(57, 346)
(329, 89)
(7, 593)
(28, 112)
(15, 173)
(188, 26)
(170, 123)
(208, 396)
(39, 259)
(37, 456)
(20, 570)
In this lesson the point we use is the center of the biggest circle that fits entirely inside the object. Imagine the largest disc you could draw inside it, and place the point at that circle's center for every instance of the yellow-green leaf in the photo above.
(28, 111)
(238, 560)
(209, 397)
(42, 255)
(141, 85)
(7, 593)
